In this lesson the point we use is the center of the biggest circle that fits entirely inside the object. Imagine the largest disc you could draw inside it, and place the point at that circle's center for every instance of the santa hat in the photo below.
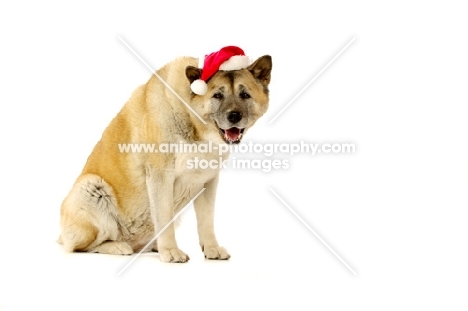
(228, 58)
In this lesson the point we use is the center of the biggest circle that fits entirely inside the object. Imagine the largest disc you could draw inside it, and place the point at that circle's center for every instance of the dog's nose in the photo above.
(234, 116)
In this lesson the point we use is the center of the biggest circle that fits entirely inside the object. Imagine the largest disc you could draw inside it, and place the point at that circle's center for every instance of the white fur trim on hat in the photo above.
(236, 62)
(201, 61)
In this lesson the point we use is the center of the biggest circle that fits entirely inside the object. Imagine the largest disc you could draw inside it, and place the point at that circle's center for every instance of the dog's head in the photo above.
(234, 100)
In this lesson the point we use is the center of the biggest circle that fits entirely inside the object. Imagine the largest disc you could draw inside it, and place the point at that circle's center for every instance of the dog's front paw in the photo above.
(216, 252)
(173, 255)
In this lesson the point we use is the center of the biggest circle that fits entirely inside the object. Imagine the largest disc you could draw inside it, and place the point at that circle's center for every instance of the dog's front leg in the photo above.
(204, 209)
(160, 185)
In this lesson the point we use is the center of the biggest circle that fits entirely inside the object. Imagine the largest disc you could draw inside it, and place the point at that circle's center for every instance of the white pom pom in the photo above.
(199, 87)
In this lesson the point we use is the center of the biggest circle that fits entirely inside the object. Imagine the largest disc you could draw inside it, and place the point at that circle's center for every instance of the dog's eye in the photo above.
(244, 95)
(218, 96)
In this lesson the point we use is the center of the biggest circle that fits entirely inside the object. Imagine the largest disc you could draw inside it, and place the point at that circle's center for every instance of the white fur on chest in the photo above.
(195, 169)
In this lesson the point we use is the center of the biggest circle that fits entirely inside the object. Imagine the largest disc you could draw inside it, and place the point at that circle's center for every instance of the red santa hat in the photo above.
(228, 58)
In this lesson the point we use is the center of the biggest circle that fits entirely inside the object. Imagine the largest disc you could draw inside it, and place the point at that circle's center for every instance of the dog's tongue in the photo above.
(232, 133)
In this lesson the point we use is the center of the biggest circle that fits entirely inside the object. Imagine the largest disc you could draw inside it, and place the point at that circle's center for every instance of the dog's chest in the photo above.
(194, 169)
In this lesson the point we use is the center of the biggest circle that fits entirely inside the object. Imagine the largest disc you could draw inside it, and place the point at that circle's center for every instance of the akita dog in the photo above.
(122, 200)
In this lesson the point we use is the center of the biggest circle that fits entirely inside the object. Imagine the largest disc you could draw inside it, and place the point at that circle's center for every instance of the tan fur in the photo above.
(121, 200)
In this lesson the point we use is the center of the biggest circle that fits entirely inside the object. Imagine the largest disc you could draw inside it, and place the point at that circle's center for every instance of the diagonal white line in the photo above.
(311, 81)
(159, 233)
(313, 231)
(161, 79)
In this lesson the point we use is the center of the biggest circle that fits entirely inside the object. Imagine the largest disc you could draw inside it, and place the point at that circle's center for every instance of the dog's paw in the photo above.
(216, 252)
(113, 248)
(173, 255)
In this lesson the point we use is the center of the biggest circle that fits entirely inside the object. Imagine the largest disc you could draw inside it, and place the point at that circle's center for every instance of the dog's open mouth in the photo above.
(232, 135)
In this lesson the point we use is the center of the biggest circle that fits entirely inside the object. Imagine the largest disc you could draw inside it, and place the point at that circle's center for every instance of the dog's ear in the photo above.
(261, 69)
(193, 73)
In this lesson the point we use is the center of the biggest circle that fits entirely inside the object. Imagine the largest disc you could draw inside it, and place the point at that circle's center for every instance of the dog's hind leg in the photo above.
(89, 219)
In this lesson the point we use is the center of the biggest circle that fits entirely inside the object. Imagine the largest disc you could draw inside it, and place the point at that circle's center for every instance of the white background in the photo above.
(396, 210)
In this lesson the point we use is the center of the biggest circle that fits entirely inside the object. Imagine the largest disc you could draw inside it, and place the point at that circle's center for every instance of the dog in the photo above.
(122, 200)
